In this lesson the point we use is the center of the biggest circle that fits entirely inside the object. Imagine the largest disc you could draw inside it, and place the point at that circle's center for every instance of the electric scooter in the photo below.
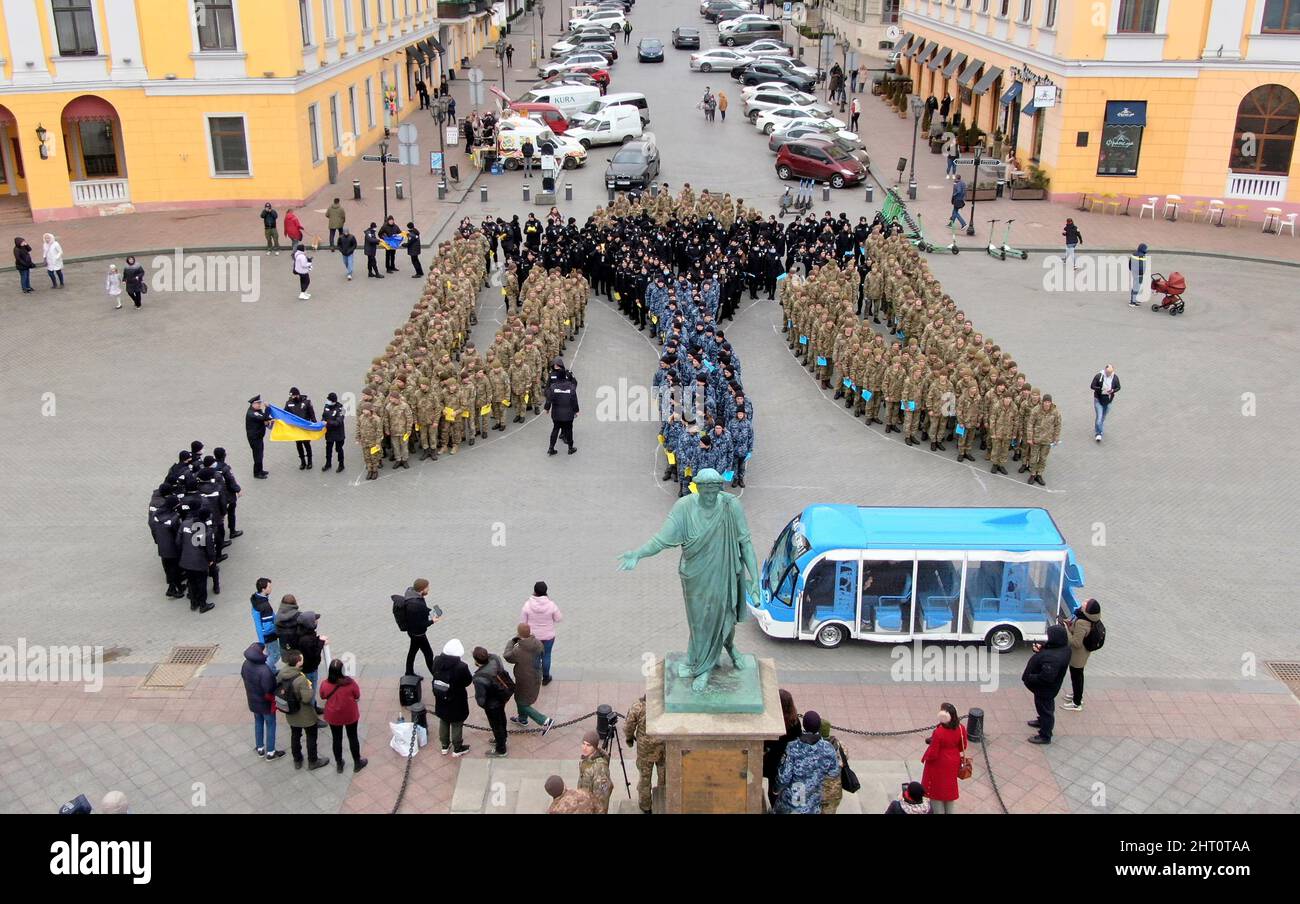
(992, 249)
(951, 247)
(918, 238)
(1007, 250)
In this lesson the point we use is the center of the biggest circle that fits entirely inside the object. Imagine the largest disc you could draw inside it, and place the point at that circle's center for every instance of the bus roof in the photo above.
(906, 527)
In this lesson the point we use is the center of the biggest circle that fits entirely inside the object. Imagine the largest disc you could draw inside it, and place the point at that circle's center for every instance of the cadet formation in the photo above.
(432, 391)
(192, 522)
(930, 371)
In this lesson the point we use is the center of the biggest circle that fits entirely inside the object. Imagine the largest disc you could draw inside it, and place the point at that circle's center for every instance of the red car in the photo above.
(821, 161)
(599, 75)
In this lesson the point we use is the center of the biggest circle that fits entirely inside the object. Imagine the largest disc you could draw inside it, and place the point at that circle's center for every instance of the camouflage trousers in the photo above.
(909, 420)
(450, 432)
(499, 414)
(964, 441)
(999, 449)
(517, 403)
(401, 447)
(893, 414)
(832, 795)
(428, 435)
(1037, 457)
(645, 767)
(372, 459)
(873, 404)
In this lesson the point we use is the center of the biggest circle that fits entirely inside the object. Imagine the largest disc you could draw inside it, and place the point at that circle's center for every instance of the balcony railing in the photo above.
(93, 192)
(1254, 187)
(450, 9)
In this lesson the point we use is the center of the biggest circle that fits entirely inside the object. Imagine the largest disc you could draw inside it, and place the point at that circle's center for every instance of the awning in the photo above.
(926, 53)
(970, 73)
(89, 108)
(1126, 113)
(428, 48)
(939, 58)
(1029, 109)
(415, 53)
(499, 94)
(1013, 93)
(954, 64)
(436, 45)
(991, 75)
(918, 43)
(901, 43)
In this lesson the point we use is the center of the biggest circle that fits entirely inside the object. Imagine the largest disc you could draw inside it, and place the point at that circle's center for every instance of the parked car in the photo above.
(749, 32)
(769, 47)
(723, 16)
(729, 20)
(820, 161)
(719, 58)
(584, 41)
(635, 165)
(851, 146)
(825, 127)
(751, 75)
(570, 63)
(686, 37)
(769, 99)
(598, 73)
(612, 19)
(548, 115)
(777, 65)
(710, 9)
(814, 131)
(767, 121)
(618, 124)
(567, 78)
(629, 98)
(650, 50)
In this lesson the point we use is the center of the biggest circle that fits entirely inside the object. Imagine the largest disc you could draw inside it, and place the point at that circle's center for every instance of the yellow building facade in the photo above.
(118, 105)
(1196, 98)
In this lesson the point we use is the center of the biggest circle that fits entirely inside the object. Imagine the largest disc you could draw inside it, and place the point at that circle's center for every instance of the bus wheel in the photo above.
(830, 636)
(1003, 639)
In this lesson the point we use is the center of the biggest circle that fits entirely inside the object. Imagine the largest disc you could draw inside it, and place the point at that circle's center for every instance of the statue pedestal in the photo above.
(714, 760)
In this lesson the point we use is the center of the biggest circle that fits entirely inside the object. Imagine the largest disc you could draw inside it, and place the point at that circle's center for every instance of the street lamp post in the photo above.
(383, 157)
(917, 106)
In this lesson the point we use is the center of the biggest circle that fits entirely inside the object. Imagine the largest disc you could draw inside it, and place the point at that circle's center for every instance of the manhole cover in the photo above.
(179, 667)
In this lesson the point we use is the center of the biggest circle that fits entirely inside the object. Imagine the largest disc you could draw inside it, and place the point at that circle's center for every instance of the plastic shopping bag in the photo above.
(401, 740)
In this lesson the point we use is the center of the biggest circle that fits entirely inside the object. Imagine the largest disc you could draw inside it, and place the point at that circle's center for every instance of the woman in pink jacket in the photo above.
(540, 614)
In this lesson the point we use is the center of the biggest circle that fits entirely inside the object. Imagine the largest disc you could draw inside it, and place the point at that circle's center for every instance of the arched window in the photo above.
(1264, 137)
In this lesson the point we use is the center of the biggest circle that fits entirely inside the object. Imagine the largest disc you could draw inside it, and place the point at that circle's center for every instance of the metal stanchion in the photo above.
(528, 194)
(442, 189)
(826, 192)
(482, 193)
(568, 191)
(871, 193)
(397, 190)
(356, 189)
(610, 189)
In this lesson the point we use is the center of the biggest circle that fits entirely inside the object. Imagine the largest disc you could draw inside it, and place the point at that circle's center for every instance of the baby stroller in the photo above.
(1172, 288)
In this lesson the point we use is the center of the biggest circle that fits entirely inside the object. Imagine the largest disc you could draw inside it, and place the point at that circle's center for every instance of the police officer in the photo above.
(198, 555)
(300, 405)
(257, 420)
(332, 415)
(233, 490)
(165, 526)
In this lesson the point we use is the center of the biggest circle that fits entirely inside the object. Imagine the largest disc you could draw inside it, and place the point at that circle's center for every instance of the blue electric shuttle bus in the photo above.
(898, 574)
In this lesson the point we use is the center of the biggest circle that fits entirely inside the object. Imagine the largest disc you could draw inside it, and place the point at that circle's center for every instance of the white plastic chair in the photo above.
(1149, 205)
(1287, 222)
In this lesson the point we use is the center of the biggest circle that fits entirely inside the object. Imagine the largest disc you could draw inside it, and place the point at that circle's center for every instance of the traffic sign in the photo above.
(407, 134)
(475, 76)
(476, 93)
(408, 154)
(377, 158)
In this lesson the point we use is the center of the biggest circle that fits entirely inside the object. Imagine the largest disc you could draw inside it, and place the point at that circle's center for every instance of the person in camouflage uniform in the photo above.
(572, 800)
(399, 422)
(1001, 428)
(649, 752)
(370, 436)
(807, 764)
(832, 787)
(1044, 432)
(593, 771)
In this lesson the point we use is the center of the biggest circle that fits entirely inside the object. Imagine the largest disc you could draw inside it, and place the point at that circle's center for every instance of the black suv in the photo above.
(686, 37)
(760, 71)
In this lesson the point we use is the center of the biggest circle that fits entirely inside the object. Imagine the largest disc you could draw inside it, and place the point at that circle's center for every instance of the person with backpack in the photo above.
(493, 688)
(259, 687)
(286, 622)
(1087, 634)
(312, 647)
(942, 760)
(341, 695)
(450, 682)
(911, 802)
(525, 652)
(413, 616)
(291, 690)
(1043, 676)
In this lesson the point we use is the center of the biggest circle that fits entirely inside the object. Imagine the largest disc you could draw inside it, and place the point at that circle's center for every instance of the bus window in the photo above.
(783, 592)
(1044, 586)
(938, 586)
(779, 559)
(886, 597)
(830, 594)
(1012, 591)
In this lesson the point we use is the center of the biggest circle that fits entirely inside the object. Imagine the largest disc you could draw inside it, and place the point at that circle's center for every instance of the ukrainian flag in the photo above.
(286, 427)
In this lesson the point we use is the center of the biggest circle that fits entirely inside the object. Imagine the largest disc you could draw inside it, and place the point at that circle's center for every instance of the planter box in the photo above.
(1025, 193)
(985, 193)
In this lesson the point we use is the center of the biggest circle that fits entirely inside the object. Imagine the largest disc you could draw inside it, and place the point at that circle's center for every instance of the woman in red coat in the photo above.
(292, 227)
(341, 694)
(942, 759)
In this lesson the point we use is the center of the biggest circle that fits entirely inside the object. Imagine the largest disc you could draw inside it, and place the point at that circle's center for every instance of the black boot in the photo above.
(326, 466)
(941, 447)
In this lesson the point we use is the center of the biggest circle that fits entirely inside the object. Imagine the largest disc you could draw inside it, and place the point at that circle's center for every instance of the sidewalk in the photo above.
(1039, 223)
(1130, 751)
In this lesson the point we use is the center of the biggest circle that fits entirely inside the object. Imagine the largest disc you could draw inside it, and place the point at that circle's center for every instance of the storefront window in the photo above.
(1264, 137)
(1281, 16)
(1121, 138)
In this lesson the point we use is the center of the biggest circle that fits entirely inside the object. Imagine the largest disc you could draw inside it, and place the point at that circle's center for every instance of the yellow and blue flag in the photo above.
(286, 427)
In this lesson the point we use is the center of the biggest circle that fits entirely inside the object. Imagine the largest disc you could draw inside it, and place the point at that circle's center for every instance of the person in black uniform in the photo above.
(386, 231)
(182, 467)
(371, 248)
(213, 494)
(300, 405)
(562, 403)
(198, 555)
(257, 420)
(233, 490)
(413, 249)
(165, 526)
(332, 415)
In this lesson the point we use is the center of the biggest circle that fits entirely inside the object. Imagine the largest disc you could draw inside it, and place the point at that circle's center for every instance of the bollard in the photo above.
(1002, 185)
(654, 189)
(610, 189)
(356, 189)
(871, 193)
(568, 191)
(826, 192)
(975, 725)
(442, 189)
(911, 190)
(527, 193)
(482, 194)
(397, 190)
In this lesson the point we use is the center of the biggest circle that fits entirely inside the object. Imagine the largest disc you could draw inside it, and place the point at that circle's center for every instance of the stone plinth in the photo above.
(714, 760)
(730, 690)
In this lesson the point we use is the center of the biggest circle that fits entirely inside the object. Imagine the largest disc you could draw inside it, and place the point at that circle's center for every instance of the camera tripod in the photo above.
(606, 723)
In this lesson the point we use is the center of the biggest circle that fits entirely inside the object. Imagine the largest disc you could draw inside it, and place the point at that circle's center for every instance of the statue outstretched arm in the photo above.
(653, 546)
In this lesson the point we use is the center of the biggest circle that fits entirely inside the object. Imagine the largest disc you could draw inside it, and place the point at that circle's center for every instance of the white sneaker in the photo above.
(277, 253)
(444, 750)
(1072, 707)
(303, 296)
(119, 305)
(1098, 437)
(349, 277)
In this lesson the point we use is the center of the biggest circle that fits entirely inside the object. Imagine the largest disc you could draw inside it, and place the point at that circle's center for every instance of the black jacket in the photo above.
(372, 242)
(562, 400)
(197, 556)
(1072, 234)
(346, 244)
(255, 423)
(259, 681)
(232, 486)
(262, 606)
(417, 613)
(214, 496)
(268, 218)
(332, 414)
(413, 247)
(133, 278)
(389, 229)
(1046, 669)
(452, 706)
(1097, 392)
(286, 626)
(301, 407)
(310, 646)
(165, 527)
(23, 257)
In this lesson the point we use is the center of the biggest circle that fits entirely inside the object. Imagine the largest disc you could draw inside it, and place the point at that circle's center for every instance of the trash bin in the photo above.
(397, 190)
(332, 166)
(482, 193)
(1002, 184)
(454, 169)
(826, 192)
(527, 193)
(871, 193)
(356, 189)
(568, 191)
(442, 189)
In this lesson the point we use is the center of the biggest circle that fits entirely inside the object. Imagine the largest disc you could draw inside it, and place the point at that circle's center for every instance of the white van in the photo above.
(618, 124)
(625, 98)
(569, 98)
(512, 131)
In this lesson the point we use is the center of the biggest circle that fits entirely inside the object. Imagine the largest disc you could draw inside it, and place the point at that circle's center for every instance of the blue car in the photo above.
(650, 50)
